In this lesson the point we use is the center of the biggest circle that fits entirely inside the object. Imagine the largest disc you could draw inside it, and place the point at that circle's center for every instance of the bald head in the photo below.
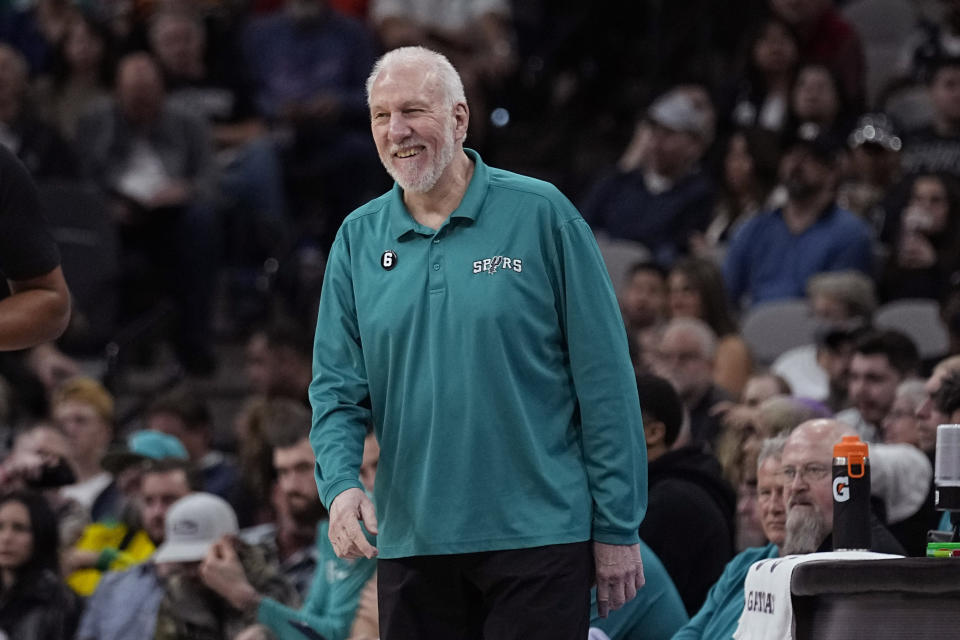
(139, 88)
(822, 433)
(685, 357)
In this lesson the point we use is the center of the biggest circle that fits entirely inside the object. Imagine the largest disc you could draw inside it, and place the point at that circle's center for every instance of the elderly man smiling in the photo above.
(467, 314)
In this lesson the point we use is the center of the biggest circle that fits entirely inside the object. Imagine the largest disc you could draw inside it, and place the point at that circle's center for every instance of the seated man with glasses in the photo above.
(807, 459)
(794, 474)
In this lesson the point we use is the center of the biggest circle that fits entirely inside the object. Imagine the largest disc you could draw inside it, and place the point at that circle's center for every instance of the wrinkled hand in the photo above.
(346, 512)
(24, 467)
(51, 365)
(76, 559)
(222, 572)
(619, 575)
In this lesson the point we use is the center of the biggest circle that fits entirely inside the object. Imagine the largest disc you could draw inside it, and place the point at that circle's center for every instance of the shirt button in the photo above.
(436, 241)
(436, 266)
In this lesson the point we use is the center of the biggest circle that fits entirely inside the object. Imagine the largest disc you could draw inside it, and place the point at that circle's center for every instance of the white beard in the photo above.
(806, 530)
(425, 181)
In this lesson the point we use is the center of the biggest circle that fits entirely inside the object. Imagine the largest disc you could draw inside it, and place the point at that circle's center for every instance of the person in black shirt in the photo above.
(38, 307)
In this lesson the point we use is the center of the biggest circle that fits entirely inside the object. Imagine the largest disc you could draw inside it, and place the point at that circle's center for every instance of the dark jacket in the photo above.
(39, 607)
(689, 521)
(621, 205)
(881, 540)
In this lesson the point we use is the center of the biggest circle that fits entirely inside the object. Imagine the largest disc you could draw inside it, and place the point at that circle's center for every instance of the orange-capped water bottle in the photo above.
(851, 495)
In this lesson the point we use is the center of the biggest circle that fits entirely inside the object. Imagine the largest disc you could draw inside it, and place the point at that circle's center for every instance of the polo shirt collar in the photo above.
(402, 223)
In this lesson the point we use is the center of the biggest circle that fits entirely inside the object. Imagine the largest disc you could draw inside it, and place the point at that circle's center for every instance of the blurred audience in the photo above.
(763, 91)
(881, 361)
(183, 414)
(695, 290)
(686, 356)
(278, 360)
(40, 461)
(308, 64)
(334, 592)
(827, 38)
(120, 542)
(643, 302)
(817, 103)
(155, 163)
(35, 28)
(761, 386)
(931, 41)
(778, 415)
(83, 409)
(935, 148)
(38, 145)
(772, 256)
(251, 191)
(748, 176)
(926, 245)
(290, 538)
(872, 182)
(667, 197)
(81, 75)
(929, 415)
(900, 424)
(34, 602)
(843, 303)
(196, 526)
(948, 397)
(688, 497)
(108, 614)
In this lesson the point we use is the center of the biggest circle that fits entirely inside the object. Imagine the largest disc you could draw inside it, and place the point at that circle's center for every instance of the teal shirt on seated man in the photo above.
(719, 615)
(332, 600)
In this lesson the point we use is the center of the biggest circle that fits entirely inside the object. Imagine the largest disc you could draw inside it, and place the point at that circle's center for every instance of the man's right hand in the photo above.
(346, 512)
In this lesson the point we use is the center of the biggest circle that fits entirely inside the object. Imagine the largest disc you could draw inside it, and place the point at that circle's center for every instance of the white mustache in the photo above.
(394, 149)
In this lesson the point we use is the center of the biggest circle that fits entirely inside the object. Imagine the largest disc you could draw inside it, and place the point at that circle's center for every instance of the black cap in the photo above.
(822, 143)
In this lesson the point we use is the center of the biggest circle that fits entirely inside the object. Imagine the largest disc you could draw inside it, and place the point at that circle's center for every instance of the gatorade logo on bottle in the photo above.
(841, 488)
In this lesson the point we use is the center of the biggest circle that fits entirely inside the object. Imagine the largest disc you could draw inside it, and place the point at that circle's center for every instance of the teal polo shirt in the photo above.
(491, 359)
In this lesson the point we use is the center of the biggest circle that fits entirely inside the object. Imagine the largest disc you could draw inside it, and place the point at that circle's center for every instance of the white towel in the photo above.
(767, 605)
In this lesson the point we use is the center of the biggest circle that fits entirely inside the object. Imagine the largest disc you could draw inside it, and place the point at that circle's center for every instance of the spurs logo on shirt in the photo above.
(491, 265)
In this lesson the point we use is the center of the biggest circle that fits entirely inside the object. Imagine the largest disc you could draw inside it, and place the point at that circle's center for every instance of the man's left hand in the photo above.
(619, 575)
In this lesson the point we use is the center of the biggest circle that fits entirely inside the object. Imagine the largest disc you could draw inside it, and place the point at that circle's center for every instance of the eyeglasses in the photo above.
(811, 472)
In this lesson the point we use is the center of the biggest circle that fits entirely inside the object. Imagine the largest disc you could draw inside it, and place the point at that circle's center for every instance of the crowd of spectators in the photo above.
(759, 153)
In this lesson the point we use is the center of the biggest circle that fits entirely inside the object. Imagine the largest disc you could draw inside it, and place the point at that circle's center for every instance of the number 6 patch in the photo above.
(388, 260)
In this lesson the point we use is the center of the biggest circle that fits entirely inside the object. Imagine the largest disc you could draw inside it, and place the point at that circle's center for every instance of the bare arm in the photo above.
(37, 311)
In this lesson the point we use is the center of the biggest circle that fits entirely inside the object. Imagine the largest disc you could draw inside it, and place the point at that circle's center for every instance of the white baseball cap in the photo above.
(193, 524)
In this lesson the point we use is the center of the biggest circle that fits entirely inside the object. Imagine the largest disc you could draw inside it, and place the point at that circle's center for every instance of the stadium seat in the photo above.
(771, 328)
(919, 319)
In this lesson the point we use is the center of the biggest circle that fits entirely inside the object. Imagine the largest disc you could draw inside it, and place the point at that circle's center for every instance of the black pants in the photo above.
(530, 594)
